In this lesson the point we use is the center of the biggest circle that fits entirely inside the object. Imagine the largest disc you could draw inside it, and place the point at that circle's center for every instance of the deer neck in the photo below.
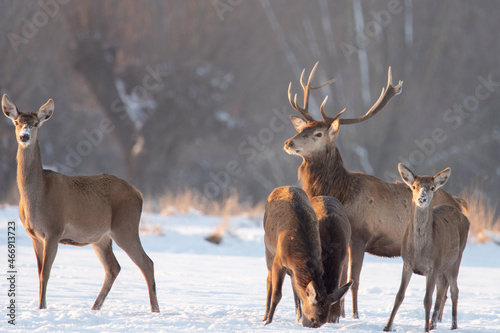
(309, 271)
(30, 172)
(420, 226)
(325, 174)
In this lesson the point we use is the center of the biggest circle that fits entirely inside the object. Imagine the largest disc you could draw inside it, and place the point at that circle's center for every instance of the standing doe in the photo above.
(293, 246)
(432, 245)
(335, 234)
(78, 210)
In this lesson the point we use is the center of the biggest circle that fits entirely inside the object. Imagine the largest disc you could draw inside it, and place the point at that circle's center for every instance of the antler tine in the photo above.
(324, 84)
(385, 96)
(328, 120)
(306, 88)
(302, 78)
(338, 115)
(294, 104)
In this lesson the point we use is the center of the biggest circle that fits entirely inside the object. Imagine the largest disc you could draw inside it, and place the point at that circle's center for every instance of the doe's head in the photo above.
(26, 123)
(316, 305)
(423, 187)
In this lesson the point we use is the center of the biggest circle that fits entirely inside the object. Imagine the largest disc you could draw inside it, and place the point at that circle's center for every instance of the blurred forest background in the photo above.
(191, 95)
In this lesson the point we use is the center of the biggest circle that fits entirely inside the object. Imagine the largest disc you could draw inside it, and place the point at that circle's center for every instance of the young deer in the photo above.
(293, 246)
(78, 210)
(432, 245)
(377, 211)
(335, 234)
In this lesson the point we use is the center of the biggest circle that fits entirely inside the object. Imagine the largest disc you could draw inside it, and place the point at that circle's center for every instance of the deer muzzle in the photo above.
(423, 199)
(25, 134)
(290, 147)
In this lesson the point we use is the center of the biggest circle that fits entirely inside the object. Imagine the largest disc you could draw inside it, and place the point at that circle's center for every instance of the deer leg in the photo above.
(343, 281)
(336, 310)
(131, 244)
(278, 276)
(104, 251)
(454, 299)
(49, 254)
(298, 307)
(269, 293)
(429, 290)
(442, 286)
(357, 251)
(38, 246)
(405, 279)
(443, 302)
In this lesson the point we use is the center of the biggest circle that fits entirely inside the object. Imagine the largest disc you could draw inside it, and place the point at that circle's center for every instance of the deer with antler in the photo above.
(378, 211)
(75, 210)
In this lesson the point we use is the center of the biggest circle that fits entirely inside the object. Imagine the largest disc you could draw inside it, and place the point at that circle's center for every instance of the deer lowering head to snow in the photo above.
(293, 246)
(378, 211)
(335, 234)
(432, 246)
(78, 210)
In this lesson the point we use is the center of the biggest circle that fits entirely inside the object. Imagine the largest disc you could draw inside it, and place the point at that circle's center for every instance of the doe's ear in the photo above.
(339, 294)
(406, 174)
(442, 177)
(298, 123)
(9, 108)
(45, 111)
(333, 131)
(311, 293)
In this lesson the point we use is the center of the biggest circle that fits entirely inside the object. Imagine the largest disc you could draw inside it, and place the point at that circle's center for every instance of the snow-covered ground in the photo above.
(204, 287)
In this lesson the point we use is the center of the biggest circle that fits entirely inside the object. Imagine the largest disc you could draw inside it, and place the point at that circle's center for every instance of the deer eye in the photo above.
(36, 124)
(16, 122)
(433, 188)
(319, 135)
(413, 186)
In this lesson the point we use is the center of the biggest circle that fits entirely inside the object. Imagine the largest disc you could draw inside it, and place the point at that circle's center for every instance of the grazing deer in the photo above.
(378, 211)
(78, 210)
(293, 246)
(433, 244)
(335, 234)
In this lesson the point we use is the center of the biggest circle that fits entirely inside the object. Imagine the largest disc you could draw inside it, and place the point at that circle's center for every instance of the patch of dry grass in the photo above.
(191, 200)
(483, 214)
(150, 229)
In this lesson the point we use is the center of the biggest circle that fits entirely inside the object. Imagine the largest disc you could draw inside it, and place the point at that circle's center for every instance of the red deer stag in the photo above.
(432, 246)
(335, 234)
(378, 211)
(78, 210)
(293, 246)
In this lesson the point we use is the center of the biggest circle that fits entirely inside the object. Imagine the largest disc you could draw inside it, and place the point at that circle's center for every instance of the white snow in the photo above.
(204, 287)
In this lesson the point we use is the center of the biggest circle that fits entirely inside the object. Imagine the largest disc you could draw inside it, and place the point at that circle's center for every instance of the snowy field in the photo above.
(204, 287)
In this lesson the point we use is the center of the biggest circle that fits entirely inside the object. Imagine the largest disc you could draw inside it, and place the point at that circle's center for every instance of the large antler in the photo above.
(304, 111)
(387, 94)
